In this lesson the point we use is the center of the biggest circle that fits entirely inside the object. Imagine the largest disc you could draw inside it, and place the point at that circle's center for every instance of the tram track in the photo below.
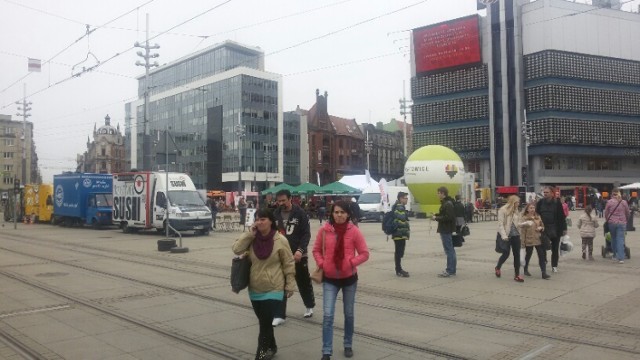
(574, 331)
(180, 290)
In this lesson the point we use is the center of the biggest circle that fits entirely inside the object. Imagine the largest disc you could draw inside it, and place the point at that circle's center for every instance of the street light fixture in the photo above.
(368, 146)
(240, 133)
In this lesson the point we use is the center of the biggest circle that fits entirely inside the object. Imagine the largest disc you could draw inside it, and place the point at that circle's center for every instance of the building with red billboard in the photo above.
(533, 92)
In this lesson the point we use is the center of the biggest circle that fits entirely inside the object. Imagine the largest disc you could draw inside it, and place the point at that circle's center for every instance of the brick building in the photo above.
(336, 145)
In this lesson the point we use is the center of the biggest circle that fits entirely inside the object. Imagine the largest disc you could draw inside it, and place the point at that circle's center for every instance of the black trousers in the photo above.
(303, 280)
(399, 254)
(541, 257)
(264, 310)
(514, 245)
(555, 251)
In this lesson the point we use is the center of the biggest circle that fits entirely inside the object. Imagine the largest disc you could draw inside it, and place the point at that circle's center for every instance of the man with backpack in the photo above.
(396, 224)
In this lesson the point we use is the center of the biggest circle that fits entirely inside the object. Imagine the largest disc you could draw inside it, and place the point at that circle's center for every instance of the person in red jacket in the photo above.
(338, 249)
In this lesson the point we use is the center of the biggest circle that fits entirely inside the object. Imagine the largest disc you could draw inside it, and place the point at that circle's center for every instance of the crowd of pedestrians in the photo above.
(278, 241)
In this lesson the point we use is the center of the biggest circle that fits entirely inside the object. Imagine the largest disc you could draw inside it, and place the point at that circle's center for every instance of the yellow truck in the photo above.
(38, 202)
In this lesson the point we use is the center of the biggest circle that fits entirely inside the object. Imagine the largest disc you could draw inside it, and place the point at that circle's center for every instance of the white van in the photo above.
(140, 202)
(372, 205)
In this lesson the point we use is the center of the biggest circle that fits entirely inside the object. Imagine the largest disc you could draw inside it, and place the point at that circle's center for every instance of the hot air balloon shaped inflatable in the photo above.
(429, 168)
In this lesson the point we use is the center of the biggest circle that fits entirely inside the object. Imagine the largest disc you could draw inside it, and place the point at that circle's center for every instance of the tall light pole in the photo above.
(404, 112)
(24, 107)
(146, 140)
(368, 145)
(526, 134)
(240, 132)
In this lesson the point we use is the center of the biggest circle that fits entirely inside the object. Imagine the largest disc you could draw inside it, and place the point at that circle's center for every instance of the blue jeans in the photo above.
(617, 240)
(329, 295)
(447, 244)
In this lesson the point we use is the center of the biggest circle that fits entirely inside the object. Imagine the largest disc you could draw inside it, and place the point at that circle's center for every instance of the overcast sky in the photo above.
(356, 50)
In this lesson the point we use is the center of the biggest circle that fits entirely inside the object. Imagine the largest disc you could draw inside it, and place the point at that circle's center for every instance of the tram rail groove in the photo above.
(103, 309)
(543, 321)
(422, 349)
(20, 348)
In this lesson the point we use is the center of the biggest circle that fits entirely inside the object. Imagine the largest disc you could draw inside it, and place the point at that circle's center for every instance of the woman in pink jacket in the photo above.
(339, 247)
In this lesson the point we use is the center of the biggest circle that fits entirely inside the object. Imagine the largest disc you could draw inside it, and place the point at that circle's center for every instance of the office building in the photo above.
(221, 110)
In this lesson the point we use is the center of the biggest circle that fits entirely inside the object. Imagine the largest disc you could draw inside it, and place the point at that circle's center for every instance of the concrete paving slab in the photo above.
(52, 331)
(86, 347)
(171, 352)
(88, 322)
(129, 340)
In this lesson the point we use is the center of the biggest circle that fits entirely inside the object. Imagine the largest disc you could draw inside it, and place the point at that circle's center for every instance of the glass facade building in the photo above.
(204, 99)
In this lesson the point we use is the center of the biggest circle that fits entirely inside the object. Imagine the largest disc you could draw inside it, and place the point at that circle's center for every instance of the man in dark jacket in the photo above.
(292, 222)
(446, 219)
(555, 224)
(402, 231)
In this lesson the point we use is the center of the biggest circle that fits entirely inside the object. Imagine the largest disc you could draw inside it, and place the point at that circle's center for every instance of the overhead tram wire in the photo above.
(122, 52)
(73, 43)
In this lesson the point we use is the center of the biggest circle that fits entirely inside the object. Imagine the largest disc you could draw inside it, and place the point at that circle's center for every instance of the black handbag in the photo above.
(501, 245)
(240, 272)
(464, 230)
(457, 240)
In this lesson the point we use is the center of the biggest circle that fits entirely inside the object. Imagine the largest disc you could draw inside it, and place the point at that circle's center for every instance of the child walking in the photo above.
(587, 225)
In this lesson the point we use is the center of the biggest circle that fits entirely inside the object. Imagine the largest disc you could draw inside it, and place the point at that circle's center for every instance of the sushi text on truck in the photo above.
(139, 202)
(81, 199)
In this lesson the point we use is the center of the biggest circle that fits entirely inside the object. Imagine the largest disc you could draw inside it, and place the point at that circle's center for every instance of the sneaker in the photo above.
(621, 262)
(308, 313)
(498, 272)
(526, 272)
(326, 357)
(445, 274)
(554, 269)
(348, 352)
(402, 273)
(518, 278)
(584, 256)
(278, 321)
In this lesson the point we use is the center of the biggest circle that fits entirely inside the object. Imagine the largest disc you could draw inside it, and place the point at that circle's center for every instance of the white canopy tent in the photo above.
(631, 186)
(358, 181)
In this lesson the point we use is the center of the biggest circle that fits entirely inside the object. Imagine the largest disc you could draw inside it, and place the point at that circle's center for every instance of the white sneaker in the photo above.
(278, 321)
(554, 269)
(308, 313)
(621, 262)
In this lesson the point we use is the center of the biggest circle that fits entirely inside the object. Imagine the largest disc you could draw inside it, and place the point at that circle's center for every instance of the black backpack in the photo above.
(388, 225)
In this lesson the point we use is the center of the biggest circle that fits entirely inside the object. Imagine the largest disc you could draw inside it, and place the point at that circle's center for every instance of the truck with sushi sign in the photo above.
(142, 200)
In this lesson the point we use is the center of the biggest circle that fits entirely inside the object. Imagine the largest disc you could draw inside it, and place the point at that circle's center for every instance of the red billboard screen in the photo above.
(445, 45)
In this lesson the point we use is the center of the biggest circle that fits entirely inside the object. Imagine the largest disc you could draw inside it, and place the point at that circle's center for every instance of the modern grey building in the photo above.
(554, 98)
(202, 99)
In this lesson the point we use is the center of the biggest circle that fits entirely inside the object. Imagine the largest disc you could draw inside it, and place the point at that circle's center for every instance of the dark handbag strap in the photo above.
(614, 210)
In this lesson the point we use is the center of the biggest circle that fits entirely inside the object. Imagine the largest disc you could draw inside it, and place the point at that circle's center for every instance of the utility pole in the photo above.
(404, 112)
(526, 134)
(146, 139)
(240, 134)
(368, 145)
(24, 107)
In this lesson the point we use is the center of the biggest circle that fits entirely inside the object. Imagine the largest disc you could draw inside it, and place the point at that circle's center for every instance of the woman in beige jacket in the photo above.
(531, 228)
(272, 275)
(508, 223)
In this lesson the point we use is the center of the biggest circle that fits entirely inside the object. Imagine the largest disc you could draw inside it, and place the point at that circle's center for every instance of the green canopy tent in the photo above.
(306, 188)
(338, 188)
(275, 189)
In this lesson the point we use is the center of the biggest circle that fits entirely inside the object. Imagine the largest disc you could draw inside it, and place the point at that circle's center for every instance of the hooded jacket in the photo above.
(356, 251)
(587, 225)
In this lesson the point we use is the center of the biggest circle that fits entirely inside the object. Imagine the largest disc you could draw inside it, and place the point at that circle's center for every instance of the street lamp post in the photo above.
(526, 134)
(267, 160)
(146, 139)
(240, 133)
(368, 145)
